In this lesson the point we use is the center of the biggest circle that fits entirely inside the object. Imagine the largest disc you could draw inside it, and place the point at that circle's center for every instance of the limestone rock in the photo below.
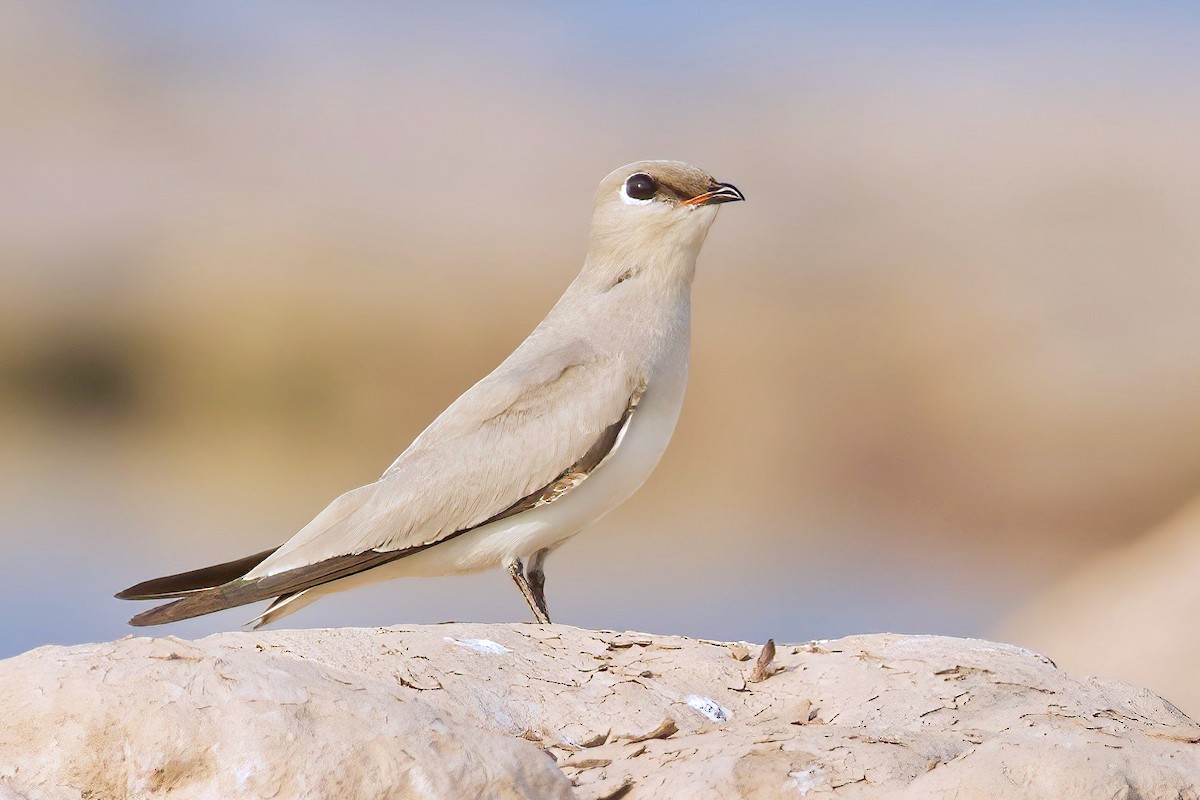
(525, 711)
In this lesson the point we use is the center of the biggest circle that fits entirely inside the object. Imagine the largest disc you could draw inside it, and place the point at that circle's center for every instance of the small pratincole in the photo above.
(562, 432)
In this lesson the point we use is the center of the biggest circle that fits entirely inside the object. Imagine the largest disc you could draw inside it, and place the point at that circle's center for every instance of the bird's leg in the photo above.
(517, 570)
(537, 581)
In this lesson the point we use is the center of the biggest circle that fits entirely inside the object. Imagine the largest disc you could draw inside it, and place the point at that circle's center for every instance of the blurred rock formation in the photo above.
(1130, 612)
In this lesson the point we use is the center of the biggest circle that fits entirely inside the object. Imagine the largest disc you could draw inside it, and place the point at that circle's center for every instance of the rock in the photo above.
(525, 711)
(1130, 613)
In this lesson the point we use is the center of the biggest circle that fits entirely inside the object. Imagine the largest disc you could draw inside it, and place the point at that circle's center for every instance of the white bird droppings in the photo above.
(709, 708)
(479, 645)
(242, 773)
(805, 780)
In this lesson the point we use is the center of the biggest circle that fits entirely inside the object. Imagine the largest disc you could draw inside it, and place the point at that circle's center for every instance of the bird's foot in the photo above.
(533, 596)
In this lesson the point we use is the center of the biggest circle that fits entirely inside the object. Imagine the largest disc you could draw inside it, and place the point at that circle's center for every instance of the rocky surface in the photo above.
(525, 711)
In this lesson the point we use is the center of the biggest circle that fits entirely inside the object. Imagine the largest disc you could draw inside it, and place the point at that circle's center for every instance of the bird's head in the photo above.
(652, 209)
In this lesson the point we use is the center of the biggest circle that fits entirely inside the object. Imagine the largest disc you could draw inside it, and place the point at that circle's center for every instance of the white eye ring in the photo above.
(633, 201)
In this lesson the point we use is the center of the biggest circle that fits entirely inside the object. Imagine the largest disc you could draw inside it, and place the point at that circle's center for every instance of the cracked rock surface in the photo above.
(527, 711)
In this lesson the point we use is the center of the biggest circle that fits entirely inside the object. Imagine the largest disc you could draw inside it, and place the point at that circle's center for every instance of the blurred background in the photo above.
(946, 366)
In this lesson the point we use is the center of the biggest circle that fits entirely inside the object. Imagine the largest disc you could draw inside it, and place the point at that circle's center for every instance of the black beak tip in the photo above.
(727, 193)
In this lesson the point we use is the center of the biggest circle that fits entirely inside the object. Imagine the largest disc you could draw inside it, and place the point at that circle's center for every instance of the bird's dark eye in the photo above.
(641, 186)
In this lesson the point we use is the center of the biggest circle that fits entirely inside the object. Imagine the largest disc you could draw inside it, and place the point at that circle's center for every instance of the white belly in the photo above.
(521, 536)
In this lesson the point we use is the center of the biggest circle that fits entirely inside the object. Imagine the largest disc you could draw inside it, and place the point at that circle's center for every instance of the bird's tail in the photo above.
(196, 588)
(196, 595)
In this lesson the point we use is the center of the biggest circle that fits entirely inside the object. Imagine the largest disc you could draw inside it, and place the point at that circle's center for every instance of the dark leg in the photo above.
(517, 570)
(537, 580)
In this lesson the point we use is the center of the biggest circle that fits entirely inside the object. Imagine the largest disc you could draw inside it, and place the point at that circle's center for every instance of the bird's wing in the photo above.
(521, 433)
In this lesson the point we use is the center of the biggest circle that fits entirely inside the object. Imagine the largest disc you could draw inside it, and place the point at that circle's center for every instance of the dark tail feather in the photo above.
(238, 592)
(195, 580)
(194, 604)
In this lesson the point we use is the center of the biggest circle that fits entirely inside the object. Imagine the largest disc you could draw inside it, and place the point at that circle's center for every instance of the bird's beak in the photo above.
(719, 193)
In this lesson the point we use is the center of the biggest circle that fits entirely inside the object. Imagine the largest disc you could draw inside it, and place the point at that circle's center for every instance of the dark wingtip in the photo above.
(185, 583)
(135, 592)
(154, 589)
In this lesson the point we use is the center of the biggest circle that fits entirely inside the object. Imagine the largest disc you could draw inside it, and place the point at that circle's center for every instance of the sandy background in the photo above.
(944, 357)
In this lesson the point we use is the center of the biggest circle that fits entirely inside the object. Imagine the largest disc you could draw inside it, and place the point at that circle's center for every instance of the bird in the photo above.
(567, 428)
